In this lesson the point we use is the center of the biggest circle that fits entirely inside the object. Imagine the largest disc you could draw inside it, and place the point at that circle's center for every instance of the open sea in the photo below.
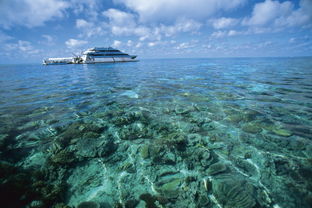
(174, 133)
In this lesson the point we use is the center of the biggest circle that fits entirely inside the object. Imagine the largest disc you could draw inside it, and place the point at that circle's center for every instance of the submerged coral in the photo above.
(252, 128)
(216, 168)
(88, 204)
(200, 135)
(234, 192)
(26, 187)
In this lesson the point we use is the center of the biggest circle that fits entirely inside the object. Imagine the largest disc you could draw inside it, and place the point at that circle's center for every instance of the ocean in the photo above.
(216, 133)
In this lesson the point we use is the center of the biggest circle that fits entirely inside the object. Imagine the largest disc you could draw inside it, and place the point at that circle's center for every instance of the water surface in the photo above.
(158, 133)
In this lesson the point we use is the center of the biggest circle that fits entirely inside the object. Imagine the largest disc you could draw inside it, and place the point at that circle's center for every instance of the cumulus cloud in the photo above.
(152, 44)
(90, 29)
(129, 43)
(123, 23)
(227, 33)
(47, 40)
(74, 43)
(182, 25)
(306, 6)
(219, 34)
(22, 46)
(4, 37)
(224, 22)
(89, 8)
(118, 17)
(81, 23)
(169, 10)
(138, 45)
(265, 12)
(117, 43)
(30, 13)
(301, 16)
(184, 45)
(120, 22)
(280, 14)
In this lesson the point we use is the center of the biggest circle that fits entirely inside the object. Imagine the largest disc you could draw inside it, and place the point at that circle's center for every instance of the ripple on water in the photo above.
(172, 133)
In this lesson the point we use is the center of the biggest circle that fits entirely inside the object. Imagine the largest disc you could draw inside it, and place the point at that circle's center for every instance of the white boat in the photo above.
(93, 56)
(104, 55)
(68, 60)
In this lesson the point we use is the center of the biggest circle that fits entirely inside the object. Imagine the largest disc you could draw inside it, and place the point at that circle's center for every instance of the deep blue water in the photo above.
(157, 132)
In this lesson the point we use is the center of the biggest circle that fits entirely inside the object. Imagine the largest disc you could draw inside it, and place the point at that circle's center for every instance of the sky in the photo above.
(31, 30)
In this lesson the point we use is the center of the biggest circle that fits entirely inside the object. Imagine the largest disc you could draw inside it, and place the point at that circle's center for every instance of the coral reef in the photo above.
(216, 168)
(203, 136)
(88, 204)
(234, 192)
(21, 187)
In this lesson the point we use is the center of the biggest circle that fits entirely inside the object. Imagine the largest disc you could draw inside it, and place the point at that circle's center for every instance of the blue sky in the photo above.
(31, 30)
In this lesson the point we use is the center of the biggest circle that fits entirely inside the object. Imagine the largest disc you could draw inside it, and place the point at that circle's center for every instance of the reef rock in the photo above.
(217, 168)
(169, 183)
(89, 204)
(282, 132)
(234, 192)
(63, 157)
(100, 147)
(170, 188)
(144, 150)
(251, 128)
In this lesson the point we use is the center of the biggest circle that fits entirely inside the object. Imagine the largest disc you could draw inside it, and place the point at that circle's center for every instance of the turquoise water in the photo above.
(157, 133)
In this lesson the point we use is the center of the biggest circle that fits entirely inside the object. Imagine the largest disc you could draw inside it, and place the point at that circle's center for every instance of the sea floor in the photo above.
(215, 133)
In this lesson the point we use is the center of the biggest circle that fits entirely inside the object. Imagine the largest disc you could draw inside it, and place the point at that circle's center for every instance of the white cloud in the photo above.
(138, 45)
(129, 43)
(226, 33)
(169, 10)
(224, 22)
(301, 16)
(181, 25)
(47, 40)
(116, 43)
(152, 44)
(187, 45)
(218, 34)
(306, 6)
(235, 32)
(183, 46)
(123, 23)
(74, 43)
(4, 37)
(265, 12)
(120, 18)
(292, 40)
(81, 23)
(25, 47)
(89, 8)
(280, 14)
(89, 29)
(30, 13)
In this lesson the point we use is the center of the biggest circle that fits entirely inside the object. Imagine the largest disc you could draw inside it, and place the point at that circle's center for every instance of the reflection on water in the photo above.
(158, 133)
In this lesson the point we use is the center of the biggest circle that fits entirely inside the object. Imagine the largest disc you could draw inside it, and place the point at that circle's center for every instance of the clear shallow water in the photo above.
(158, 133)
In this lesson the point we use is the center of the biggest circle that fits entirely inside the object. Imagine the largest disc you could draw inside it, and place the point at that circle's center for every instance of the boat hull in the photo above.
(109, 60)
(96, 61)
